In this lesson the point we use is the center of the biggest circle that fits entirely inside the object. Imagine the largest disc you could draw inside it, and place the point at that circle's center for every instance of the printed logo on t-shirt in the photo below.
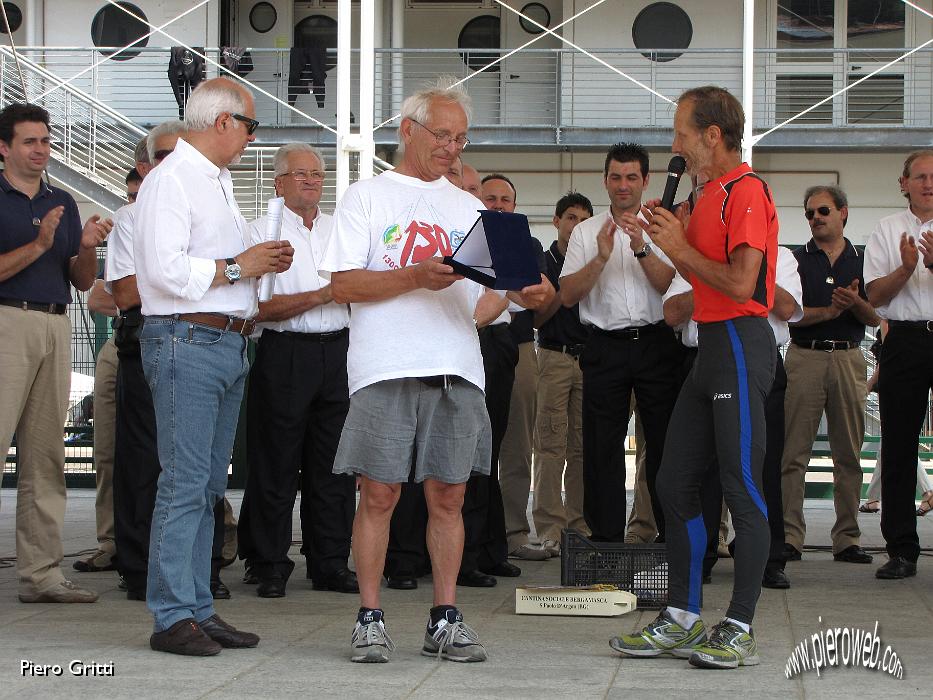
(456, 238)
(424, 240)
(392, 236)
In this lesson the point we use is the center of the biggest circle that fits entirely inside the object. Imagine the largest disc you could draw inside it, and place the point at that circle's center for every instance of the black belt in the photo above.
(33, 306)
(632, 332)
(574, 350)
(827, 345)
(913, 325)
(313, 337)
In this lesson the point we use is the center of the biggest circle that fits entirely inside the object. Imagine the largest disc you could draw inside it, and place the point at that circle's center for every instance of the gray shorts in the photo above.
(398, 424)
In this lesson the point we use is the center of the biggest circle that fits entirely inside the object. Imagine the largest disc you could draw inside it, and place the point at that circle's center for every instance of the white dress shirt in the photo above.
(120, 263)
(622, 296)
(302, 276)
(186, 220)
(883, 256)
(786, 277)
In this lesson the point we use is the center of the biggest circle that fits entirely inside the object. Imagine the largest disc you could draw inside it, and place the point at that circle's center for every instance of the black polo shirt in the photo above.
(48, 279)
(564, 327)
(522, 326)
(819, 279)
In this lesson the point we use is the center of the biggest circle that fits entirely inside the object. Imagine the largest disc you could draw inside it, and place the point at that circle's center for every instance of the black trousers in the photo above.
(612, 369)
(136, 466)
(904, 383)
(296, 406)
(720, 414)
(711, 493)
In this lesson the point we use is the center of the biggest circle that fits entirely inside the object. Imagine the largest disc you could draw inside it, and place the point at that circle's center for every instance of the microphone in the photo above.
(674, 170)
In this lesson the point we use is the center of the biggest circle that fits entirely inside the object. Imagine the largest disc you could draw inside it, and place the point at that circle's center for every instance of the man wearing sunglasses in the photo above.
(196, 276)
(826, 372)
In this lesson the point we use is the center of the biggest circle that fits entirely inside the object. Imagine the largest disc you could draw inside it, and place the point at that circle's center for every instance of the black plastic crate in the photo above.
(637, 568)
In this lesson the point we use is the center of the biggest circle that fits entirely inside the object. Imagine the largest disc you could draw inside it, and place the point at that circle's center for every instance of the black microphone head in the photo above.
(677, 165)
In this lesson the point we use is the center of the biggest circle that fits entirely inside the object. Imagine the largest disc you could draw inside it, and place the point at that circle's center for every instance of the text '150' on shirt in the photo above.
(391, 222)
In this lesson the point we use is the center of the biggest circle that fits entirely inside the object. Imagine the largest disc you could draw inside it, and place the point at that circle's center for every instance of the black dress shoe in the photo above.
(503, 568)
(791, 553)
(402, 583)
(774, 577)
(272, 587)
(897, 567)
(343, 581)
(185, 637)
(135, 594)
(853, 555)
(219, 590)
(476, 579)
(228, 636)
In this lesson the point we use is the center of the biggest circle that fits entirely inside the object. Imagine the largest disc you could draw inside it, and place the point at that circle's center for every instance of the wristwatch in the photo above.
(232, 270)
(644, 252)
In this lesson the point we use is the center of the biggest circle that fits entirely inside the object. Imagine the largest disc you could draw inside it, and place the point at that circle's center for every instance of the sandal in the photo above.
(926, 504)
(869, 507)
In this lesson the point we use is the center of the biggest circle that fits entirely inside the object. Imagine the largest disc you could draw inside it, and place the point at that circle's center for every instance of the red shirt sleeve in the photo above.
(748, 215)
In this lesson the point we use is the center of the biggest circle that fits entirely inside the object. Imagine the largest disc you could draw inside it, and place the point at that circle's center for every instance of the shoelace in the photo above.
(375, 634)
(719, 637)
(449, 632)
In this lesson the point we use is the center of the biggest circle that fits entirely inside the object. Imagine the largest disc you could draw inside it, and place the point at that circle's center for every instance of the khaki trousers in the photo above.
(105, 416)
(35, 376)
(833, 382)
(558, 446)
(516, 449)
(641, 528)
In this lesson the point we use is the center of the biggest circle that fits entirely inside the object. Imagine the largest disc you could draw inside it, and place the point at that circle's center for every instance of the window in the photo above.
(480, 33)
(539, 13)
(112, 27)
(262, 17)
(14, 16)
(805, 24)
(875, 24)
(318, 31)
(662, 25)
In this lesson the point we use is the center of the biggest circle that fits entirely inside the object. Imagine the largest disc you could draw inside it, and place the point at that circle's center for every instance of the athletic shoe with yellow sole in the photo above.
(729, 646)
(663, 636)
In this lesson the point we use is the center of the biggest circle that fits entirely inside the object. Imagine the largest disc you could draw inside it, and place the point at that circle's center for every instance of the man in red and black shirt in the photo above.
(727, 250)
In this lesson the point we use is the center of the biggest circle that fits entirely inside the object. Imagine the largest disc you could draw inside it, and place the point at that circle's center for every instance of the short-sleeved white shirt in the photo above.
(883, 256)
(390, 222)
(120, 261)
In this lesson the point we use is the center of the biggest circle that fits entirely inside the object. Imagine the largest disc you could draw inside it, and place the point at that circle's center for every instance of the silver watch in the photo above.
(232, 270)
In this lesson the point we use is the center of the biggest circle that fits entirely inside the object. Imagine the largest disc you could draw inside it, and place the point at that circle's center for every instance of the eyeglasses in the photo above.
(163, 154)
(251, 124)
(443, 140)
(302, 175)
(822, 211)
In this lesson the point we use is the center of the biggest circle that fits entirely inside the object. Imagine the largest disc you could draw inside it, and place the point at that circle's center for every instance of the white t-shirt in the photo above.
(120, 261)
(387, 223)
(883, 256)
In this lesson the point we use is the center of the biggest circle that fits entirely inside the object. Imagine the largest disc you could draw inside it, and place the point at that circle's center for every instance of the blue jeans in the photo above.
(196, 374)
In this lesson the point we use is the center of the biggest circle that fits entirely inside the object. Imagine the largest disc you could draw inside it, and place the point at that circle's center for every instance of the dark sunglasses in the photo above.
(163, 154)
(251, 124)
(822, 211)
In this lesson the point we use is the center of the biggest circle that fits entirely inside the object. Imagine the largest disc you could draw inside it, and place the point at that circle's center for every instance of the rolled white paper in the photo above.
(273, 233)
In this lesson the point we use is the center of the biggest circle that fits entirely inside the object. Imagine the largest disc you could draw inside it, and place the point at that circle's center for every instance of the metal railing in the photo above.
(555, 88)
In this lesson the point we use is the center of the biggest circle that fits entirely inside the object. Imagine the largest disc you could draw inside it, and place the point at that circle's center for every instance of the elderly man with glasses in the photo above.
(297, 401)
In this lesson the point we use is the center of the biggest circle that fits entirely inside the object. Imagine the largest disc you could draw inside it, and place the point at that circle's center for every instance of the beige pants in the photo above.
(35, 376)
(105, 399)
(517, 444)
(558, 446)
(641, 528)
(833, 382)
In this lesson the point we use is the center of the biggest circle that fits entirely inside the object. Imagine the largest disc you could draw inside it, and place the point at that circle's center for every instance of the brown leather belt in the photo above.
(243, 326)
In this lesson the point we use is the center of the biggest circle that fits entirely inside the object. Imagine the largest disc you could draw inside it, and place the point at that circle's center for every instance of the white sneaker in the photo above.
(529, 552)
(453, 639)
(370, 643)
(551, 547)
(62, 592)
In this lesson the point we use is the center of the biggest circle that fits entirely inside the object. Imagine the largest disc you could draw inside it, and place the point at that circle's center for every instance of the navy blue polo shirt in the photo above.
(47, 280)
(564, 327)
(819, 279)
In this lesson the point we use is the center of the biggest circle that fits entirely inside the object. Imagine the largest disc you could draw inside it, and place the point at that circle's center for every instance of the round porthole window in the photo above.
(318, 31)
(537, 12)
(480, 33)
(662, 25)
(262, 17)
(14, 16)
(112, 26)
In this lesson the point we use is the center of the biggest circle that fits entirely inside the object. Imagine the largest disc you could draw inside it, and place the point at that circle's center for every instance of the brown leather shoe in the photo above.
(185, 637)
(226, 635)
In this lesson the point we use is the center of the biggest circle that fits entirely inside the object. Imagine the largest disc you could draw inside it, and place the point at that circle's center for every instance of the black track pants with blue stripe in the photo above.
(720, 413)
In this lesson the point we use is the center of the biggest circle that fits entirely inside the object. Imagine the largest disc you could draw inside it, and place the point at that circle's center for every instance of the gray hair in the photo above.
(417, 106)
(211, 99)
(169, 128)
(141, 154)
(280, 161)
